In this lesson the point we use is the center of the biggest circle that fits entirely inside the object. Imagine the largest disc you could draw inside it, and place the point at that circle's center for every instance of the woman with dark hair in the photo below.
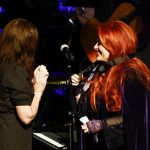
(21, 87)
(114, 103)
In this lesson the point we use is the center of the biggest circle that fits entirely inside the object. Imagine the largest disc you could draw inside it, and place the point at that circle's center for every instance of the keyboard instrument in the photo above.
(56, 141)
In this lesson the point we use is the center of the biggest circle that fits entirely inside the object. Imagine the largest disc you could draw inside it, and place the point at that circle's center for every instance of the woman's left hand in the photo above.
(85, 128)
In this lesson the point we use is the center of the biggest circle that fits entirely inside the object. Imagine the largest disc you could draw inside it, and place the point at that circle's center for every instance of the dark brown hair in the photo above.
(18, 42)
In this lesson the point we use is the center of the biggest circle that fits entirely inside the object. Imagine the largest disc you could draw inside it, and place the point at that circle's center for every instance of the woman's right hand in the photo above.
(40, 79)
(75, 79)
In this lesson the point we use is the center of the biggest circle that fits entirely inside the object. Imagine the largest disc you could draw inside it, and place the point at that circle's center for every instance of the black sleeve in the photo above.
(136, 114)
(83, 105)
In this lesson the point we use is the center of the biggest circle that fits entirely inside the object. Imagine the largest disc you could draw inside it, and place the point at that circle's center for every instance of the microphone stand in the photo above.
(73, 134)
(72, 126)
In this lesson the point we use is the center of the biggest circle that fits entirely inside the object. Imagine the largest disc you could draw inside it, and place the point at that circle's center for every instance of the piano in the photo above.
(50, 140)
(49, 130)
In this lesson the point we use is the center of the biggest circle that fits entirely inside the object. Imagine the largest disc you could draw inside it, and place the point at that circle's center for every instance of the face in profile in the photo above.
(102, 53)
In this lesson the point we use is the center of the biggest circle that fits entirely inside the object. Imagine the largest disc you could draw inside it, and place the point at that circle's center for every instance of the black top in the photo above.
(88, 141)
(135, 113)
(15, 90)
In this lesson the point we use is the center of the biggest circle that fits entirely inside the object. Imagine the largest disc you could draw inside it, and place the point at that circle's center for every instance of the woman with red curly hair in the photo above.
(114, 102)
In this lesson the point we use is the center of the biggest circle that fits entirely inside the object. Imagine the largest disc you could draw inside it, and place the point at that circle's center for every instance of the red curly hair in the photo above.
(120, 40)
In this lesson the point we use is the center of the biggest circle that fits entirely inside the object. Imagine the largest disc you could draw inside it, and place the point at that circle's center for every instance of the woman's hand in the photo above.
(85, 128)
(40, 79)
(94, 126)
(75, 79)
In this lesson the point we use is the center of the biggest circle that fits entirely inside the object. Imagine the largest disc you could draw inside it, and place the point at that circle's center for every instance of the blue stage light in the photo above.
(2, 10)
(67, 9)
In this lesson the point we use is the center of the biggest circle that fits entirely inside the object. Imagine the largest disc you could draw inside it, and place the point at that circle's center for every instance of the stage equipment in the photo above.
(51, 140)
(65, 50)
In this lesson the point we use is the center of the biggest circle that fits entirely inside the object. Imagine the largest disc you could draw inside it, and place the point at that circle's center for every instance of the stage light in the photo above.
(67, 9)
(2, 10)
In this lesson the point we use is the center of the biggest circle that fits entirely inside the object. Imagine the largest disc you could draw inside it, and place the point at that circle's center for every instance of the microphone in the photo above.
(65, 50)
(90, 67)
(81, 11)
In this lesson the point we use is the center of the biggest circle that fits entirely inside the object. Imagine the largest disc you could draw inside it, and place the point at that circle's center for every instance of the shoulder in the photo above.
(12, 69)
(131, 77)
(12, 74)
(134, 84)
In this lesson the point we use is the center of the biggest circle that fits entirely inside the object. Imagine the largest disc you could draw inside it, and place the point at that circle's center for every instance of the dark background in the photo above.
(55, 29)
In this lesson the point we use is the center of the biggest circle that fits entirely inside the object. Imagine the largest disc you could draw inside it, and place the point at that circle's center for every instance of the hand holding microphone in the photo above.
(75, 79)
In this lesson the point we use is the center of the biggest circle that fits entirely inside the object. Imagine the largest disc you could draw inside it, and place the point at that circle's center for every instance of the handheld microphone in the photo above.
(81, 11)
(65, 50)
(90, 67)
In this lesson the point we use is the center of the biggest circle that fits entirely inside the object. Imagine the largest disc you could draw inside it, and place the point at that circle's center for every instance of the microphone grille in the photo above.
(64, 46)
